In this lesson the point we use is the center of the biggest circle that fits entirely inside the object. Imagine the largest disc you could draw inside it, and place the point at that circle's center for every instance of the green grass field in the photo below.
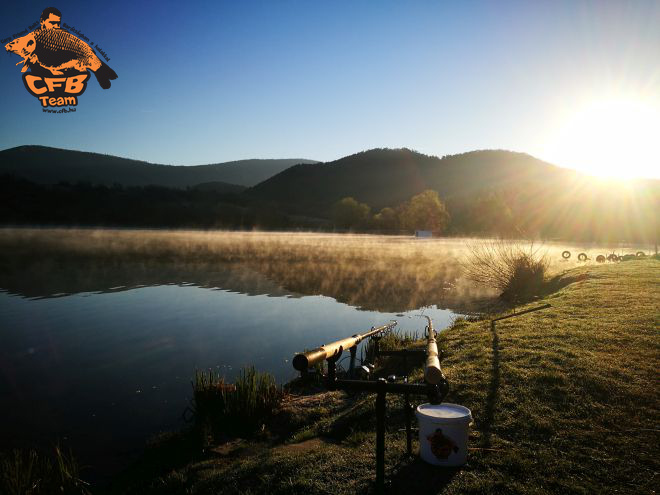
(564, 400)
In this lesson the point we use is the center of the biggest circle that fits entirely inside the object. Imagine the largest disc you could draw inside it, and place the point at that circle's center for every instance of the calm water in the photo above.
(103, 371)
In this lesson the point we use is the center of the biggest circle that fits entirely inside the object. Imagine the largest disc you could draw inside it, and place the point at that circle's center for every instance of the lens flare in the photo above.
(612, 137)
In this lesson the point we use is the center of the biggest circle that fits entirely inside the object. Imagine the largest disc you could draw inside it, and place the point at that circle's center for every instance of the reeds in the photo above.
(391, 341)
(239, 408)
(28, 472)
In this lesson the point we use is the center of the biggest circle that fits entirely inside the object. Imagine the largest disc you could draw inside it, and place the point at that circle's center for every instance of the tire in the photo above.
(640, 254)
(566, 255)
(582, 257)
(612, 257)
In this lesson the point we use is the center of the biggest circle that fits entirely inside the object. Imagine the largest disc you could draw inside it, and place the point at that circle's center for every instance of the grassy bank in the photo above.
(565, 400)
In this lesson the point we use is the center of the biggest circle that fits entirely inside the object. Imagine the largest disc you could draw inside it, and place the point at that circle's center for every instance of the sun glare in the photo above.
(613, 137)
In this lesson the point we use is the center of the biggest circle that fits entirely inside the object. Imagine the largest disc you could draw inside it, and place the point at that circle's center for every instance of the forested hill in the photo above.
(491, 191)
(484, 192)
(44, 165)
(387, 177)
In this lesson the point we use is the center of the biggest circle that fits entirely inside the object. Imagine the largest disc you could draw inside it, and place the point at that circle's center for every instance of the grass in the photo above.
(241, 408)
(29, 472)
(565, 400)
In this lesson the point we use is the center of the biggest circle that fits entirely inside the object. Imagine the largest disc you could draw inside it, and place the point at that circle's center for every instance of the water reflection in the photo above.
(371, 273)
(106, 371)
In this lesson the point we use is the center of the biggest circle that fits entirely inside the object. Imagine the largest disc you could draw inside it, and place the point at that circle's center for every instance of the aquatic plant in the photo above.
(392, 341)
(234, 408)
(28, 472)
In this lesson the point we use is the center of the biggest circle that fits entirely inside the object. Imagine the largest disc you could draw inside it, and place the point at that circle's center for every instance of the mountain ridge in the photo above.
(403, 173)
(487, 191)
(35, 163)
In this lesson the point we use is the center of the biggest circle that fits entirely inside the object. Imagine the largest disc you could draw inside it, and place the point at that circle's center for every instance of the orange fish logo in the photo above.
(52, 51)
(441, 445)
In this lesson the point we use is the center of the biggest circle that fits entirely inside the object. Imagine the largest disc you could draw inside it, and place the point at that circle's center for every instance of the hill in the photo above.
(491, 192)
(386, 177)
(45, 165)
(479, 187)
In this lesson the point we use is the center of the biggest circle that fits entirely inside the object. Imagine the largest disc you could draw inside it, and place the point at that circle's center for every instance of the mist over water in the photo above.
(102, 331)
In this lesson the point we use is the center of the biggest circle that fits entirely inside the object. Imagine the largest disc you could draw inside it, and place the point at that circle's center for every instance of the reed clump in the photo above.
(29, 472)
(238, 408)
(392, 341)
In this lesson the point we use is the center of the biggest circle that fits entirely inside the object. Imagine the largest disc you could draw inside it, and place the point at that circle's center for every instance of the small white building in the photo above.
(423, 233)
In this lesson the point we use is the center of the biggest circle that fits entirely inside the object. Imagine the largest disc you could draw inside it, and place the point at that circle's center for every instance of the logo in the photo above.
(441, 445)
(57, 64)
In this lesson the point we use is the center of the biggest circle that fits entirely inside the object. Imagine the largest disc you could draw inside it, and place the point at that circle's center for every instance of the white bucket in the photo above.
(443, 433)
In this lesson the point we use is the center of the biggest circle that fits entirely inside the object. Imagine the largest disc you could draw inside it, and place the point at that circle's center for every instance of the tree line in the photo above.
(487, 213)
(86, 204)
(519, 212)
(516, 213)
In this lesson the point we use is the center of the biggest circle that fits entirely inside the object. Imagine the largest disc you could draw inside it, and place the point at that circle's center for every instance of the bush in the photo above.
(238, 408)
(515, 269)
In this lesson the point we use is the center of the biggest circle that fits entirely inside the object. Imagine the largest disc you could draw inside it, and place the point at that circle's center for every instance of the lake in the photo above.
(102, 331)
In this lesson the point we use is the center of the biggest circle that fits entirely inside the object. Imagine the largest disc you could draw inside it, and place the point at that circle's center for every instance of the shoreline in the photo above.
(547, 389)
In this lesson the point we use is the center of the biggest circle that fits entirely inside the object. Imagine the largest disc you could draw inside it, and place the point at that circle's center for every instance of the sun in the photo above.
(611, 137)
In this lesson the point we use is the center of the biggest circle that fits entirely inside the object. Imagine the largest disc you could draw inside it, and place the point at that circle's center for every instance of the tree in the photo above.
(348, 213)
(387, 219)
(425, 212)
(490, 214)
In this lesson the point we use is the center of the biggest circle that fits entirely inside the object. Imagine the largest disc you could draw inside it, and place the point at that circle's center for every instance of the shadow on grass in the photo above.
(550, 286)
(493, 387)
(165, 453)
(558, 282)
(417, 476)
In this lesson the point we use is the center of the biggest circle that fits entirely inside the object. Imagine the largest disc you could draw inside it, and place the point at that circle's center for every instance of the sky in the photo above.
(574, 83)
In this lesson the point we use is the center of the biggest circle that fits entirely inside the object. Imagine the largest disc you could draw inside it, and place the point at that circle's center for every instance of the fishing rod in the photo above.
(432, 371)
(435, 387)
(305, 360)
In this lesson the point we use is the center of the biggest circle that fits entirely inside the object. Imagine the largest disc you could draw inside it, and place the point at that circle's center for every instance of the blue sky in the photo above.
(218, 81)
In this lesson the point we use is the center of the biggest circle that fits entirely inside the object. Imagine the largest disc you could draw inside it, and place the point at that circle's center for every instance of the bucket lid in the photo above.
(444, 413)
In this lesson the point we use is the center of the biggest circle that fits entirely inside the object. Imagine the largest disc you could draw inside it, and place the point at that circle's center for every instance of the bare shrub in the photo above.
(517, 270)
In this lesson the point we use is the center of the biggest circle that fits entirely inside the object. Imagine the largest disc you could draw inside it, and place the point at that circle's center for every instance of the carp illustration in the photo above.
(441, 445)
(56, 50)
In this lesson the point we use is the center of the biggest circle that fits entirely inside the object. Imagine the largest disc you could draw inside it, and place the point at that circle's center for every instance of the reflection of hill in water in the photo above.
(52, 276)
(386, 276)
